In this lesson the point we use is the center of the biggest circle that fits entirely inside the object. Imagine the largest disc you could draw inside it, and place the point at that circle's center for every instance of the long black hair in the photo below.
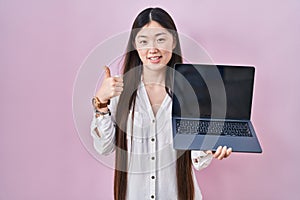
(132, 71)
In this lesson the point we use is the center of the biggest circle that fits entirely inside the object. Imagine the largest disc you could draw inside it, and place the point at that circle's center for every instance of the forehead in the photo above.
(152, 29)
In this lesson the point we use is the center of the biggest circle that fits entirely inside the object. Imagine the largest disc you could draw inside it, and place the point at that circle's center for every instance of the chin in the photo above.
(155, 67)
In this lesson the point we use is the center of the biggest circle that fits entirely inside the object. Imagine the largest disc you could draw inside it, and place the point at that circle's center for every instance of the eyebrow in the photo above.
(157, 34)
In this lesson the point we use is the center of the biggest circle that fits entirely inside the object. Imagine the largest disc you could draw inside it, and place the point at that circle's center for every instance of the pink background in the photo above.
(43, 43)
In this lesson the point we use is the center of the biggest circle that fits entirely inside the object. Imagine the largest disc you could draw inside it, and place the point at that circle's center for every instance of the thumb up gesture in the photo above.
(110, 87)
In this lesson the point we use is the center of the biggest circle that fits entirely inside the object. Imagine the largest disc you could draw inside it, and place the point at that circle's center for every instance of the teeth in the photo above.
(154, 58)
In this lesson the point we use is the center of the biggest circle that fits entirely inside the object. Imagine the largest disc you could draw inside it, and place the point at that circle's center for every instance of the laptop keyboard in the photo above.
(205, 127)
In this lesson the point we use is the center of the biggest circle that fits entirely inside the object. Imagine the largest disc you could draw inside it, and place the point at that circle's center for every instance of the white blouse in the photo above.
(151, 157)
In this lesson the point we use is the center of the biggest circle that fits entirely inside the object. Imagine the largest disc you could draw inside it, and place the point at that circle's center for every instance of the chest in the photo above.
(156, 95)
(146, 126)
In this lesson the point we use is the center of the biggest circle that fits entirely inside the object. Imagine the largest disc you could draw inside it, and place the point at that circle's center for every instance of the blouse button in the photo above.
(152, 196)
(153, 121)
(152, 139)
(152, 158)
(153, 177)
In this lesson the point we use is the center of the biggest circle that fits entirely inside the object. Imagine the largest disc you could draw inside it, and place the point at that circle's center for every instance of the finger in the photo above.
(107, 72)
(223, 152)
(117, 93)
(228, 152)
(218, 151)
(118, 89)
(118, 83)
(118, 79)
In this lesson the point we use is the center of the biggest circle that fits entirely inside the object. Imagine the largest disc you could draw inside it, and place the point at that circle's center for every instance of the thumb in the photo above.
(209, 152)
(107, 72)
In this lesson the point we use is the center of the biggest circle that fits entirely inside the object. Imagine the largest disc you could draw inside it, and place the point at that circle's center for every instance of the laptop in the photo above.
(212, 107)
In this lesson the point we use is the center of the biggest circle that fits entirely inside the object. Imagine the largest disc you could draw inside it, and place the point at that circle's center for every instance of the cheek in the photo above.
(167, 54)
(168, 50)
(142, 54)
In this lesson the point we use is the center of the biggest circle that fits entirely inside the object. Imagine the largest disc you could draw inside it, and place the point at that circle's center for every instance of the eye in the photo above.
(143, 42)
(161, 40)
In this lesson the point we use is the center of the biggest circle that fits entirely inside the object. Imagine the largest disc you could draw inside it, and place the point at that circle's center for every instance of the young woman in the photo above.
(133, 117)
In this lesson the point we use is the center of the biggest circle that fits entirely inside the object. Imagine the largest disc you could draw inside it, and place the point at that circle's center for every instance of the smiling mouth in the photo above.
(154, 58)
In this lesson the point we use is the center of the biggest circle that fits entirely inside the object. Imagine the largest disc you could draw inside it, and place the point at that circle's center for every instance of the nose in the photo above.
(152, 47)
(153, 50)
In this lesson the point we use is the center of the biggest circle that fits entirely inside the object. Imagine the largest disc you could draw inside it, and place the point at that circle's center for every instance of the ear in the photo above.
(133, 44)
(174, 43)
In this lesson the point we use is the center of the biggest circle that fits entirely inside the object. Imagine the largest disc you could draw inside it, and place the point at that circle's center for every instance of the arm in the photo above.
(103, 130)
(201, 159)
(103, 126)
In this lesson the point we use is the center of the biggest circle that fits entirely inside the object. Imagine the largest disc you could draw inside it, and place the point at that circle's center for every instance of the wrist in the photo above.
(98, 104)
(102, 112)
(103, 100)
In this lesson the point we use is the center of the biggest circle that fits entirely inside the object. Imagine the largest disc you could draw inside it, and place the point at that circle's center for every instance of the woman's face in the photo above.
(154, 45)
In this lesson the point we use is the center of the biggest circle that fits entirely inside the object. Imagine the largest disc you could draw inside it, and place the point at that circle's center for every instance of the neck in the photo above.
(153, 76)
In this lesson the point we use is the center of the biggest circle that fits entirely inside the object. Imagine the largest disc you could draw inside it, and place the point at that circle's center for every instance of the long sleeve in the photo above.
(104, 141)
(200, 159)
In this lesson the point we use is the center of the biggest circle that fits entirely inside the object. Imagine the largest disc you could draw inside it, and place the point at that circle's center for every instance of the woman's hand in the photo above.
(221, 152)
(111, 87)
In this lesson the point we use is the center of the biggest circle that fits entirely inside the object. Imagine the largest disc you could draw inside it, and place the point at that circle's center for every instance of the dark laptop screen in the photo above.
(212, 91)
